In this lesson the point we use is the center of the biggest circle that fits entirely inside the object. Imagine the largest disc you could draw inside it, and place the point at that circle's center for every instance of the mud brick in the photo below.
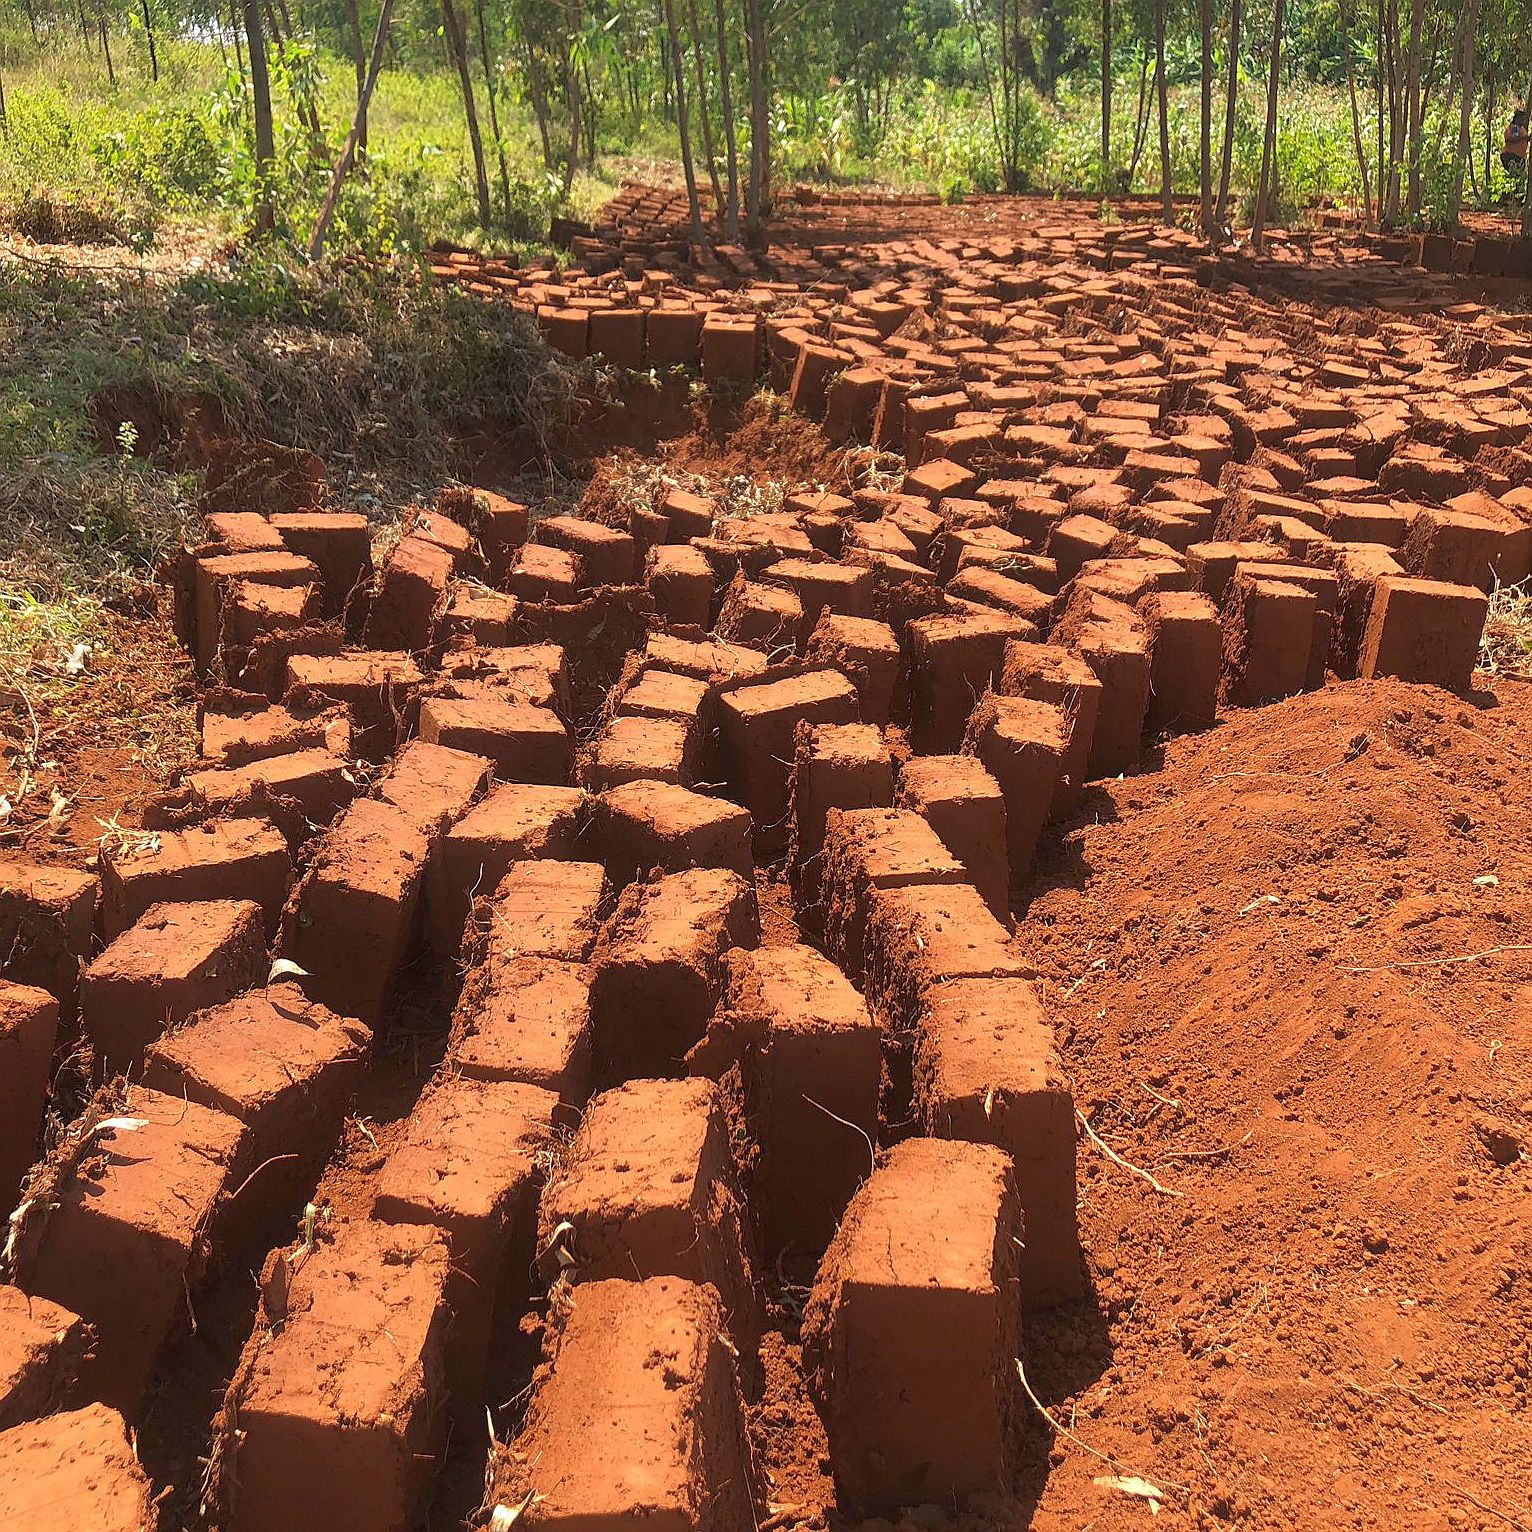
(656, 693)
(411, 595)
(606, 555)
(757, 723)
(1424, 631)
(42, 1347)
(1051, 673)
(361, 895)
(531, 673)
(1022, 744)
(638, 1422)
(525, 1019)
(524, 743)
(241, 735)
(866, 653)
(657, 968)
(991, 588)
(566, 330)
(175, 959)
(466, 1164)
(911, 1333)
(648, 1190)
(500, 526)
(544, 573)
(842, 766)
(1185, 653)
(800, 1030)
(71, 1471)
(1358, 568)
(319, 781)
(337, 543)
(215, 575)
(1212, 565)
(252, 611)
(706, 659)
(761, 615)
(953, 662)
(1459, 548)
(618, 336)
(542, 909)
(870, 849)
(636, 749)
(1110, 639)
(674, 336)
(223, 859)
(963, 803)
(813, 373)
(1077, 540)
(689, 515)
(852, 403)
(1268, 630)
(729, 349)
(433, 784)
(29, 1024)
(340, 1388)
(939, 479)
(920, 937)
(128, 1242)
(475, 615)
(986, 1071)
(640, 827)
(517, 822)
(446, 532)
(243, 532)
(681, 582)
(47, 926)
(822, 586)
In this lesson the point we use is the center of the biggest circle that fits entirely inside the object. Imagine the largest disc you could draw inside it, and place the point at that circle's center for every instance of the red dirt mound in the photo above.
(1292, 972)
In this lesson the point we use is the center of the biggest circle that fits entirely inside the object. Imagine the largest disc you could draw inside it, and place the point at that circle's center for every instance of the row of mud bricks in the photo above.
(526, 778)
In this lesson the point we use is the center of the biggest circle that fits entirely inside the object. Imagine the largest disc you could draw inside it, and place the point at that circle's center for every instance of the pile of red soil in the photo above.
(1291, 972)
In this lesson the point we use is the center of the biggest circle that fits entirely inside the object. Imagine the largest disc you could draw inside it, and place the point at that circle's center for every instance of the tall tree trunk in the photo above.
(239, 52)
(1205, 26)
(1356, 115)
(1489, 127)
(354, 138)
(494, 110)
(1141, 120)
(683, 117)
(730, 138)
(459, 50)
(1413, 104)
(1269, 141)
(265, 133)
(1167, 205)
(1231, 103)
(354, 27)
(1106, 98)
(106, 46)
(758, 202)
(1526, 206)
(1465, 120)
(704, 114)
(5, 116)
(536, 85)
(154, 55)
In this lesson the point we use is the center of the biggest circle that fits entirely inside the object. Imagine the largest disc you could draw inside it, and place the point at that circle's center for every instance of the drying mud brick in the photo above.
(911, 1332)
(870, 849)
(1051, 673)
(74, 1471)
(47, 926)
(42, 1348)
(757, 724)
(286, 1068)
(337, 543)
(953, 662)
(963, 803)
(128, 1242)
(923, 936)
(1110, 639)
(519, 821)
(811, 1065)
(1268, 630)
(1185, 656)
(466, 1164)
(839, 766)
(411, 595)
(376, 687)
(434, 785)
(541, 909)
(223, 859)
(176, 959)
(644, 827)
(866, 652)
(986, 1071)
(638, 1421)
(526, 744)
(351, 922)
(1358, 568)
(319, 782)
(1425, 631)
(657, 968)
(217, 574)
(647, 1189)
(525, 1019)
(681, 581)
(630, 749)
(1022, 745)
(29, 1024)
(336, 1415)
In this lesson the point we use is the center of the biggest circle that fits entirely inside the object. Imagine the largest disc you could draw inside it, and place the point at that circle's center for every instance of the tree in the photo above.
(683, 122)
(265, 133)
(1106, 98)
(731, 142)
(459, 51)
(1465, 121)
(758, 201)
(1167, 204)
(1205, 27)
(1231, 102)
(1269, 140)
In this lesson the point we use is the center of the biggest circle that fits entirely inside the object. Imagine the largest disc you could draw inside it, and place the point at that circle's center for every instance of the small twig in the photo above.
(1441, 962)
(1206, 1154)
(1112, 1154)
(1509, 1520)
(872, 1153)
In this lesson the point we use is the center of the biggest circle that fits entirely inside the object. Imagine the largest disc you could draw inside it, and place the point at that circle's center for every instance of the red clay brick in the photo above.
(29, 1023)
(525, 1019)
(963, 803)
(42, 1348)
(74, 1471)
(642, 827)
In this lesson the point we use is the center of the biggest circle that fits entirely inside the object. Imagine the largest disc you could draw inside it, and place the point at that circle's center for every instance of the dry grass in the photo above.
(1506, 648)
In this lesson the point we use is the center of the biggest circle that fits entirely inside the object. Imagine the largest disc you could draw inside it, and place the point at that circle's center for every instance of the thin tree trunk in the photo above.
(759, 199)
(494, 110)
(1205, 24)
(1489, 127)
(354, 26)
(683, 117)
(459, 50)
(1167, 206)
(537, 86)
(5, 118)
(1356, 115)
(731, 142)
(1106, 98)
(1231, 102)
(106, 47)
(355, 137)
(704, 115)
(1526, 206)
(1378, 92)
(1416, 126)
(154, 55)
(1465, 121)
(1269, 142)
(265, 134)
(1141, 121)
(239, 51)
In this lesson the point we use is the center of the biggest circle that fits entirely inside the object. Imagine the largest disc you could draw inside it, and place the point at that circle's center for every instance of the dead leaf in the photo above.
(1138, 1489)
